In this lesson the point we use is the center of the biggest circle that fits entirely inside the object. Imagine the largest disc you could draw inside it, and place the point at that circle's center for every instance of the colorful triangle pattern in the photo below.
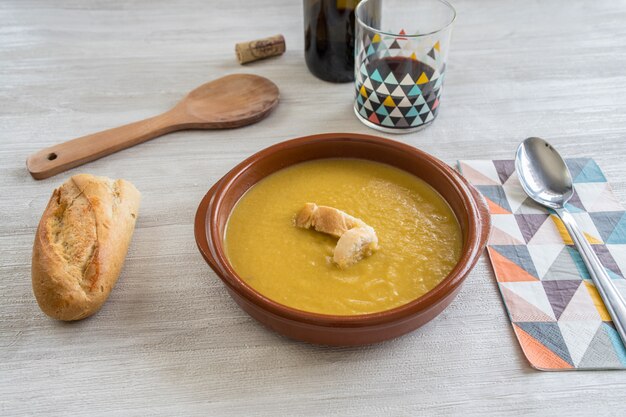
(557, 314)
(406, 90)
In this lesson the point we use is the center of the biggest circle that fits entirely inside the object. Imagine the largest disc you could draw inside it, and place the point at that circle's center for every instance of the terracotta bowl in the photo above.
(469, 208)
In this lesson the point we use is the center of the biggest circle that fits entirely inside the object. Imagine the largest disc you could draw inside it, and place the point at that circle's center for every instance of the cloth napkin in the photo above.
(556, 312)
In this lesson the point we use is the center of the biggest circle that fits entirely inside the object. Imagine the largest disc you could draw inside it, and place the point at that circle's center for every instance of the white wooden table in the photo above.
(170, 341)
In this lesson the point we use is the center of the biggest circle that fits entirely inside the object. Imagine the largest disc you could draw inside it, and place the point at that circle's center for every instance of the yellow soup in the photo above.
(419, 237)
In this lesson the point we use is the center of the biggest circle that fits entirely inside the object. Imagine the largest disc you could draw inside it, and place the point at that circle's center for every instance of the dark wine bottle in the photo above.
(329, 39)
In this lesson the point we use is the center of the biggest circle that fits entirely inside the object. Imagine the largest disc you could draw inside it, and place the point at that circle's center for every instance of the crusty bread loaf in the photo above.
(81, 244)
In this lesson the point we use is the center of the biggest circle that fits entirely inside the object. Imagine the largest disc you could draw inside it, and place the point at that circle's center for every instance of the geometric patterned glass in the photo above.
(400, 61)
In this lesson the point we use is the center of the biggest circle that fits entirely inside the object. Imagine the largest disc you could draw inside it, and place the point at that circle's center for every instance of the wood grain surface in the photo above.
(170, 341)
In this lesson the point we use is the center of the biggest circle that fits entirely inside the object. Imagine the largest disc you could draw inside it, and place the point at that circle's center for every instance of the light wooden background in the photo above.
(170, 341)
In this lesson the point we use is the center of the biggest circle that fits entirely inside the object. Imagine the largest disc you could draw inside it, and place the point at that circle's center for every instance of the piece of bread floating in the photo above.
(356, 239)
(81, 244)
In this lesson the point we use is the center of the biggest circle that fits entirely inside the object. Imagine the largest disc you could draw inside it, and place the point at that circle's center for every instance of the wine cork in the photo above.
(260, 49)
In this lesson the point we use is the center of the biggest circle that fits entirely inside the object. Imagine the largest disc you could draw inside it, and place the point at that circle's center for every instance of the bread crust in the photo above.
(354, 245)
(81, 243)
(326, 220)
(356, 239)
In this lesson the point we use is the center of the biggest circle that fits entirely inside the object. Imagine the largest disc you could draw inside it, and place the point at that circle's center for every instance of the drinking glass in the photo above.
(400, 62)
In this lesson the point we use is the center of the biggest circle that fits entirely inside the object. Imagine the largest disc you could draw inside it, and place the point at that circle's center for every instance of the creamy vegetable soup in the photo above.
(419, 238)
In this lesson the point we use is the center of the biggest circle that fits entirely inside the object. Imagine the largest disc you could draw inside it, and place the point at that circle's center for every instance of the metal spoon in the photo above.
(546, 179)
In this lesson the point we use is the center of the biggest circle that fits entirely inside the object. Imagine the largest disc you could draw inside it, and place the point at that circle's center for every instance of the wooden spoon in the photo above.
(228, 102)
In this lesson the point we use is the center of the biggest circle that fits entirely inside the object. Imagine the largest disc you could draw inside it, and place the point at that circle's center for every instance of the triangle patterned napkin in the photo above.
(556, 312)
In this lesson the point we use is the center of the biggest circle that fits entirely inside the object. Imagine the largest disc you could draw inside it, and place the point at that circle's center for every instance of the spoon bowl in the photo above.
(543, 173)
(228, 102)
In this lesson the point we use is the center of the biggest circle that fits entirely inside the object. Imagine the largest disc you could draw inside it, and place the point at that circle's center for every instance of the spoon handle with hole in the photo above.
(63, 156)
(613, 300)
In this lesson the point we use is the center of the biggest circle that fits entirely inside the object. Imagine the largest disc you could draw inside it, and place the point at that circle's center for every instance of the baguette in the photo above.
(81, 243)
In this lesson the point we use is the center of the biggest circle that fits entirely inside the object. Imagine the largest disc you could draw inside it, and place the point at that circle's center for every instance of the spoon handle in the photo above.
(613, 300)
(63, 156)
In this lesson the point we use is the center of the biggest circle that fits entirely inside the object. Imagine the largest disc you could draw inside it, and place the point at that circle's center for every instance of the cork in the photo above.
(260, 49)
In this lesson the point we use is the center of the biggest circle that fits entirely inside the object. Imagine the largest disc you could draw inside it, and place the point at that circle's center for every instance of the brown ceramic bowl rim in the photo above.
(214, 198)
